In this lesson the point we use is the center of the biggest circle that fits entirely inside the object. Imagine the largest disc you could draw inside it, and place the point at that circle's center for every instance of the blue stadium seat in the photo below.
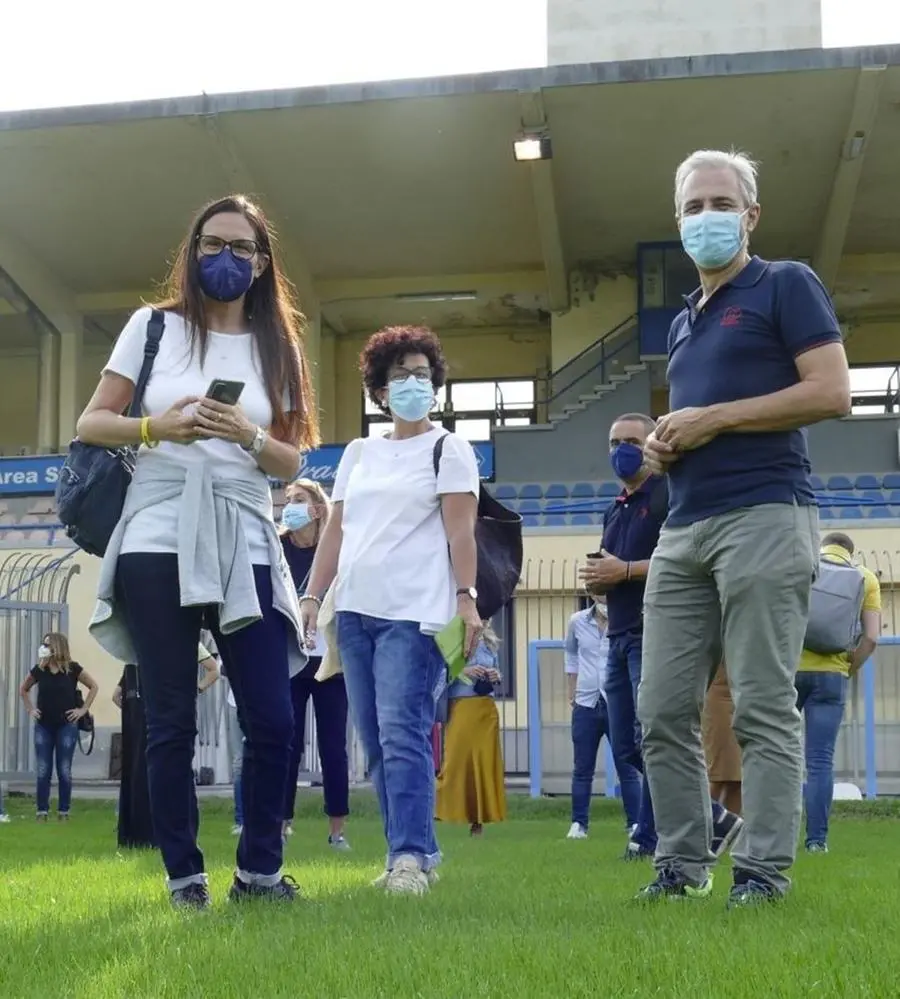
(602, 504)
(891, 481)
(531, 521)
(530, 506)
(531, 491)
(871, 495)
(584, 490)
(849, 513)
(839, 482)
(868, 482)
(556, 491)
(582, 520)
(817, 484)
(894, 497)
(555, 520)
(880, 513)
(506, 493)
(609, 489)
(826, 513)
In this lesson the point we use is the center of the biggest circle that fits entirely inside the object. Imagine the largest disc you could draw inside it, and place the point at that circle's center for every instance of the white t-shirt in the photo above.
(394, 561)
(177, 373)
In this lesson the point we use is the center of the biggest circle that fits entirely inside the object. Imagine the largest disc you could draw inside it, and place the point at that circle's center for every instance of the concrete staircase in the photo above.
(597, 392)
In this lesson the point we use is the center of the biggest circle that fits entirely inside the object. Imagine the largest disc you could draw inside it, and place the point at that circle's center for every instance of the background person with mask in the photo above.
(821, 682)
(303, 520)
(755, 355)
(587, 654)
(631, 528)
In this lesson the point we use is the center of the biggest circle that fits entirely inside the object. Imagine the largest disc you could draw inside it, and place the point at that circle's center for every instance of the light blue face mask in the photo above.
(410, 400)
(295, 516)
(712, 239)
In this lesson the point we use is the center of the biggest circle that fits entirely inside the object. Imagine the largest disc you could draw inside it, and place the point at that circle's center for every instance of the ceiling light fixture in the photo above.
(438, 296)
(533, 146)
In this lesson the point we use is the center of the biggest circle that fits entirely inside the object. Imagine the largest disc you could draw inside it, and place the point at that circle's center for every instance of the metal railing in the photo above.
(621, 344)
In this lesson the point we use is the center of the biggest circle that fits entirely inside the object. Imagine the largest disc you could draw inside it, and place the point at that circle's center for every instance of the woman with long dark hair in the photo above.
(196, 545)
(56, 718)
(400, 549)
(303, 519)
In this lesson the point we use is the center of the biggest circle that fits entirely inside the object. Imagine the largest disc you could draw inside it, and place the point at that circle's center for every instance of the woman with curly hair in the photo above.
(196, 546)
(400, 549)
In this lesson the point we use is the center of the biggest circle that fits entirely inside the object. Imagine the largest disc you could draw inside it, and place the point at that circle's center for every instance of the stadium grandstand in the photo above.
(525, 216)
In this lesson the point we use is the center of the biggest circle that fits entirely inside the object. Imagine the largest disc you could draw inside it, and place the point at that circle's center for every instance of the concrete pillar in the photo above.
(70, 403)
(328, 388)
(48, 392)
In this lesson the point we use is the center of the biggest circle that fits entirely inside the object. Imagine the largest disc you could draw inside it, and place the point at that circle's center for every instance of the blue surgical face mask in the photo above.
(626, 460)
(295, 516)
(712, 239)
(224, 277)
(410, 399)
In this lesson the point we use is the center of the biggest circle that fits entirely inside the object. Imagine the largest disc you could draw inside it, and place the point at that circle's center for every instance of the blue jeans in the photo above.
(821, 698)
(165, 635)
(390, 669)
(59, 741)
(589, 725)
(622, 679)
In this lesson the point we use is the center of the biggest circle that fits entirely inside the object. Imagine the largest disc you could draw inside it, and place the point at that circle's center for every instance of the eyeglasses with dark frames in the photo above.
(212, 246)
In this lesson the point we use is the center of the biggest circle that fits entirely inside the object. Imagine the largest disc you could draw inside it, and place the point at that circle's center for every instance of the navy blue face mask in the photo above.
(626, 460)
(224, 277)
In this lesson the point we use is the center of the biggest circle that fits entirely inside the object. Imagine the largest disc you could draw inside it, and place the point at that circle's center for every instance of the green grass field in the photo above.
(522, 912)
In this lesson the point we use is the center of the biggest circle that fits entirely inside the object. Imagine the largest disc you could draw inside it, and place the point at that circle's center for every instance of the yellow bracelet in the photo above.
(145, 433)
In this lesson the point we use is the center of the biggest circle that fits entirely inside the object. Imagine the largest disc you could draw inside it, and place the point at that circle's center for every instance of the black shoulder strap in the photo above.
(156, 324)
(438, 451)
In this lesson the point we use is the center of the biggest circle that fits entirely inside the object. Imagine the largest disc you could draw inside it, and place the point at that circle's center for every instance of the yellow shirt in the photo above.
(839, 662)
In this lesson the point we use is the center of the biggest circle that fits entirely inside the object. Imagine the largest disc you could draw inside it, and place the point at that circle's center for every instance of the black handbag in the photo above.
(93, 481)
(498, 537)
(85, 725)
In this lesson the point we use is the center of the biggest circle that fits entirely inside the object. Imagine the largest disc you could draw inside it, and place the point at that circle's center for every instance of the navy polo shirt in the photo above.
(631, 527)
(743, 344)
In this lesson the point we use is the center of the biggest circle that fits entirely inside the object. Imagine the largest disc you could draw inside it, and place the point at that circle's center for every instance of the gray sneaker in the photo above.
(339, 843)
(407, 878)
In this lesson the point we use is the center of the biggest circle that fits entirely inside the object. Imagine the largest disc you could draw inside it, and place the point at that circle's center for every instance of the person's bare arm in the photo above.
(822, 393)
(325, 563)
(211, 674)
(571, 683)
(102, 424)
(24, 688)
(871, 622)
(459, 511)
(86, 680)
(117, 696)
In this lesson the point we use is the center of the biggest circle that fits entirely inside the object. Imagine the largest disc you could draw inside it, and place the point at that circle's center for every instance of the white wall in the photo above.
(580, 31)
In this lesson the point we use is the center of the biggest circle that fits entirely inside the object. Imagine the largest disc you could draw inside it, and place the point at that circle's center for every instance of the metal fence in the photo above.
(533, 706)
(33, 592)
(867, 751)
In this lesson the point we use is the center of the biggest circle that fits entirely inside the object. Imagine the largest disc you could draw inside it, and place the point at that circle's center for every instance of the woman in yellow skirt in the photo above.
(723, 754)
(470, 786)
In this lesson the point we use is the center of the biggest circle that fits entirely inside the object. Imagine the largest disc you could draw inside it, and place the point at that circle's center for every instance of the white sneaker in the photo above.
(4, 818)
(576, 831)
(432, 877)
(407, 878)
(236, 830)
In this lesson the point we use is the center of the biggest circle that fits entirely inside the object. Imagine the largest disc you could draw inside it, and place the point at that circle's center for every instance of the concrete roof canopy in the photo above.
(407, 181)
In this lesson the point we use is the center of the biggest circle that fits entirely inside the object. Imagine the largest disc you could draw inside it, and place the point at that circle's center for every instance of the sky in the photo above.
(59, 52)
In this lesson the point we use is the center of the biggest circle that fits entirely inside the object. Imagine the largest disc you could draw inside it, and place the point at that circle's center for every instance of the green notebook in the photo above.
(451, 641)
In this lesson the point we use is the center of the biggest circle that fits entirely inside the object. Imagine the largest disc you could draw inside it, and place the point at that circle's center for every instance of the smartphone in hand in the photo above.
(226, 392)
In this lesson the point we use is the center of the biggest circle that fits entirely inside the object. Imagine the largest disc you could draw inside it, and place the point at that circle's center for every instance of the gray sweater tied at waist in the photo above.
(214, 566)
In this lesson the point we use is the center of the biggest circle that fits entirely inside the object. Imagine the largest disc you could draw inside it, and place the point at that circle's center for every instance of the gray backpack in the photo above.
(835, 609)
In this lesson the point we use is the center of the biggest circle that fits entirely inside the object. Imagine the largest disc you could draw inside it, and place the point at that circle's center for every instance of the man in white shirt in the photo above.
(587, 652)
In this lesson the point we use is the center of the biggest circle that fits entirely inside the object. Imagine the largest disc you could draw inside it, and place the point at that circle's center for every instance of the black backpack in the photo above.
(498, 537)
(93, 481)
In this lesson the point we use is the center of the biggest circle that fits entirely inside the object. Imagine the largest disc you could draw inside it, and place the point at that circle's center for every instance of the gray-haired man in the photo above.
(754, 356)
